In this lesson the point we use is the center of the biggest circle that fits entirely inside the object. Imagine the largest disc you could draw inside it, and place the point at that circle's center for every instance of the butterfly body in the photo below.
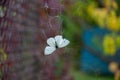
(56, 46)
(54, 43)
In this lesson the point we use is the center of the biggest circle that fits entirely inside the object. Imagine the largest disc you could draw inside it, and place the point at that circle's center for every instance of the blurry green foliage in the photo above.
(103, 13)
(59, 66)
(80, 10)
(118, 41)
(3, 56)
(82, 76)
(70, 28)
(96, 12)
(0, 74)
(72, 31)
(111, 43)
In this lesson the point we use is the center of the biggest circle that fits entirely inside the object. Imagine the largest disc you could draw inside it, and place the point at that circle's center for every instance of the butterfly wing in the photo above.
(64, 43)
(58, 40)
(61, 42)
(49, 50)
(51, 42)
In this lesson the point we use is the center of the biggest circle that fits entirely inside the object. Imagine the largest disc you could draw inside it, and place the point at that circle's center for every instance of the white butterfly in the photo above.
(54, 43)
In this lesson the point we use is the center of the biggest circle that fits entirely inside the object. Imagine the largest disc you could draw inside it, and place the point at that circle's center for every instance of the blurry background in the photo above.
(92, 26)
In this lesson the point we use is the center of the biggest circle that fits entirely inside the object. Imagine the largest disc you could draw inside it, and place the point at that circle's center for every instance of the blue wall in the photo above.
(89, 62)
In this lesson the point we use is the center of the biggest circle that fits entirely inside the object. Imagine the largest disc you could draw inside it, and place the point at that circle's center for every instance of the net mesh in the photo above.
(24, 27)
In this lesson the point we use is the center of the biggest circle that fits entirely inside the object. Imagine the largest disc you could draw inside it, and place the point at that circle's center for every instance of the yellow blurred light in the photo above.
(112, 21)
(109, 45)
